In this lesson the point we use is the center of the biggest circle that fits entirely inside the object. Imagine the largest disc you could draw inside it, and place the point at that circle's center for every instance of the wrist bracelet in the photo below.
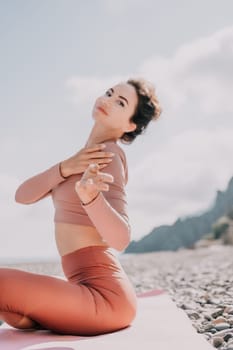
(90, 201)
(61, 172)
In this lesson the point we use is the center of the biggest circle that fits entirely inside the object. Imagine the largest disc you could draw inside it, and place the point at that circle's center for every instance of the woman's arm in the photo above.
(108, 213)
(39, 186)
(112, 226)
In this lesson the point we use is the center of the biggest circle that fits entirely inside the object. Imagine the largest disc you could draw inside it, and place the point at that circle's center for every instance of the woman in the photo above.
(90, 219)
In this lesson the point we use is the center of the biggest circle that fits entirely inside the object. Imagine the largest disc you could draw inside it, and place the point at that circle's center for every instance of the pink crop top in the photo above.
(107, 212)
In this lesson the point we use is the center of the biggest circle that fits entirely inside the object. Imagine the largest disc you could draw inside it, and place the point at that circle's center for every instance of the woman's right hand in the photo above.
(79, 162)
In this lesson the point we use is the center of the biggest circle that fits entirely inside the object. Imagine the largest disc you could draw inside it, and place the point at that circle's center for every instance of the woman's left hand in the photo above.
(91, 183)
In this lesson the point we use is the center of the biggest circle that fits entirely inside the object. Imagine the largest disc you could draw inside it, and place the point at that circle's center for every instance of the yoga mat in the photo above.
(159, 325)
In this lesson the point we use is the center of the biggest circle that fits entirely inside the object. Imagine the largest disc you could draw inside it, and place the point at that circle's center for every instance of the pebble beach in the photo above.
(199, 281)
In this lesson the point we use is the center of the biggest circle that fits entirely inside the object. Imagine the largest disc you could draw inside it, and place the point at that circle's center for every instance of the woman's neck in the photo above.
(100, 135)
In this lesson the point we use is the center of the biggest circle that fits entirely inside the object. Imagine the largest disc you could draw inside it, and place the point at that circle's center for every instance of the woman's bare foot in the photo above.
(18, 321)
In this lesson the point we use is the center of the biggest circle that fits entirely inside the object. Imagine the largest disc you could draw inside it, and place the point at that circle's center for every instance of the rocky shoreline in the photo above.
(200, 281)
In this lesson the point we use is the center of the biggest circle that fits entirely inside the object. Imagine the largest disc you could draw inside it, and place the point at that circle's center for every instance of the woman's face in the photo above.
(115, 108)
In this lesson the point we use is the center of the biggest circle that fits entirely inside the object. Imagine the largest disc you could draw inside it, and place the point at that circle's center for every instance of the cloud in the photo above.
(201, 70)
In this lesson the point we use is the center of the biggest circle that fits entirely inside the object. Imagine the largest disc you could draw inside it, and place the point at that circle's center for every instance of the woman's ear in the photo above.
(131, 127)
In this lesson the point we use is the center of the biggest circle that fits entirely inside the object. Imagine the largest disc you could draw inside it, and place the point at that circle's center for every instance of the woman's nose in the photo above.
(105, 102)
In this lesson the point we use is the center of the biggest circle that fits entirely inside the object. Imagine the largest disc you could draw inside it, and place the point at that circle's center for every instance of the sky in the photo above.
(58, 56)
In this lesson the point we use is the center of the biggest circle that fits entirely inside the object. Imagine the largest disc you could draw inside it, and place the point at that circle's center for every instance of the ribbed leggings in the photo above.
(96, 298)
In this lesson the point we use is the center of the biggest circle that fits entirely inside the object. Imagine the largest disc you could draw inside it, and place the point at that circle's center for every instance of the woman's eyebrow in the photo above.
(123, 98)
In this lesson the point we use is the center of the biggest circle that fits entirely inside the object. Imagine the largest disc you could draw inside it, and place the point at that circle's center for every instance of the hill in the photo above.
(185, 232)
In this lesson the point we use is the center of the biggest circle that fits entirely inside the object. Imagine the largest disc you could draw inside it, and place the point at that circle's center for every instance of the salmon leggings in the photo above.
(96, 298)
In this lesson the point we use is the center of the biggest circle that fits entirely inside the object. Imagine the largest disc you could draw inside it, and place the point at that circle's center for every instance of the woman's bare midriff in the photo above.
(70, 237)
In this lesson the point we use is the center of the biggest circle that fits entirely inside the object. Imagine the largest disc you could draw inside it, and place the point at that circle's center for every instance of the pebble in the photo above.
(194, 315)
(219, 320)
(209, 327)
(229, 310)
(227, 336)
(217, 313)
(221, 326)
(224, 332)
(217, 341)
(207, 317)
(213, 330)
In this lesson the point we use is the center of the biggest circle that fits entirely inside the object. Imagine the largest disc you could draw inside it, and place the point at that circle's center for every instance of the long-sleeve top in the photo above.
(107, 212)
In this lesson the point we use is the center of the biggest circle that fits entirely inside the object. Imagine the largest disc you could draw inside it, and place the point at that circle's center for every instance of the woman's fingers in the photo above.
(92, 182)
(95, 148)
(100, 154)
(92, 176)
(104, 177)
(102, 166)
(100, 157)
(101, 161)
(96, 153)
(94, 173)
(79, 162)
(92, 169)
(98, 185)
(103, 187)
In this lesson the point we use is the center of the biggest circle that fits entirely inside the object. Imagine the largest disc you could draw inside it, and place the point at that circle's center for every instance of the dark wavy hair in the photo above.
(148, 108)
